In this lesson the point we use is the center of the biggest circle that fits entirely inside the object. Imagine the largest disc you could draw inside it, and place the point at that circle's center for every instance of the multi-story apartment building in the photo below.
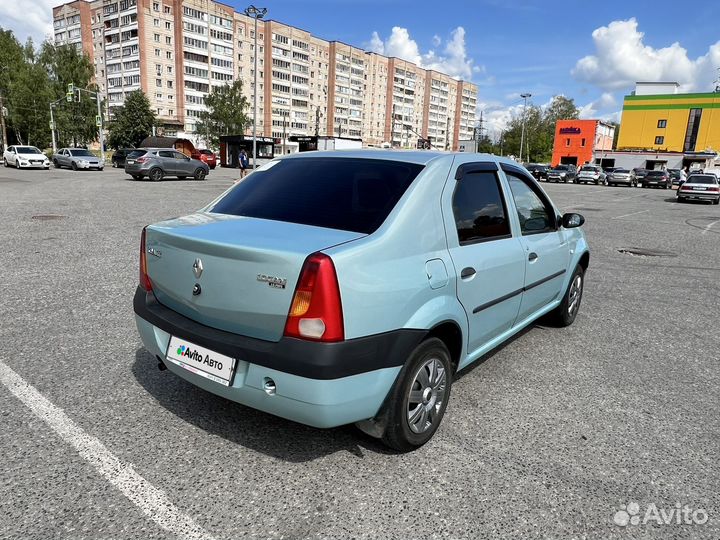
(176, 51)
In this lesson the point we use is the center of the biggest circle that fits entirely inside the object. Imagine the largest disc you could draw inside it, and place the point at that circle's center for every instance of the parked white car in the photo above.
(25, 157)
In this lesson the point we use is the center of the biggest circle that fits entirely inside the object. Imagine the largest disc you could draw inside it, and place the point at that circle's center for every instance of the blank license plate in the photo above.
(201, 361)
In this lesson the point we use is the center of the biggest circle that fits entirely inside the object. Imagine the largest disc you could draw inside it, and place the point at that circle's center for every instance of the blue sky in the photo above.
(589, 51)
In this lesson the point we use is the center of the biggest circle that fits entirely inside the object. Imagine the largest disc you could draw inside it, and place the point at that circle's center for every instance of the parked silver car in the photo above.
(157, 163)
(621, 176)
(77, 158)
(700, 187)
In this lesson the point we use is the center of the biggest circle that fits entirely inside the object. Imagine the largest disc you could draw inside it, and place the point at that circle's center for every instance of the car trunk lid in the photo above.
(233, 273)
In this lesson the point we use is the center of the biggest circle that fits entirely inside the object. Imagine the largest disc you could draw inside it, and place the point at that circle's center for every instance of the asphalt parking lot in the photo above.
(550, 436)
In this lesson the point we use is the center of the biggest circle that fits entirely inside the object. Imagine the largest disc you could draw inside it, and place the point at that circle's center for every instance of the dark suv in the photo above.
(118, 158)
(562, 173)
(657, 178)
(538, 171)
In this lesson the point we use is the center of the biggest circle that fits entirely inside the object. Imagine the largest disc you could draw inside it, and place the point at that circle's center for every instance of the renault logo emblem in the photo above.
(197, 268)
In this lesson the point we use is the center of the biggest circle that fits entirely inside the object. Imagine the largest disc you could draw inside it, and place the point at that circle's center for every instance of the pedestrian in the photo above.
(243, 161)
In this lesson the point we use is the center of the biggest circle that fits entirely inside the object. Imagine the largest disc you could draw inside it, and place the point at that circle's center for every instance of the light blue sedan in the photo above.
(350, 286)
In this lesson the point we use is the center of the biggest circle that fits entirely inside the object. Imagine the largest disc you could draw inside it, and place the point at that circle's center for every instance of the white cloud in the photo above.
(452, 58)
(622, 58)
(599, 107)
(33, 19)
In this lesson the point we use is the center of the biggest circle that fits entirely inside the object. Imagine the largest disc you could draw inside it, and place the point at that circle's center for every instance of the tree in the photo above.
(225, 115)
(29, 95)
(75, 120)
(132, 122)
(11, 63)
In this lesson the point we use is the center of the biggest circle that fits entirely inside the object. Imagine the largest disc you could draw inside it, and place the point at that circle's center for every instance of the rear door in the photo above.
(489, 261)
(543, 241)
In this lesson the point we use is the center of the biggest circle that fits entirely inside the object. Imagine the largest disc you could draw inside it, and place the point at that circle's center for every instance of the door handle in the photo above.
(467, 272)
(532, 257)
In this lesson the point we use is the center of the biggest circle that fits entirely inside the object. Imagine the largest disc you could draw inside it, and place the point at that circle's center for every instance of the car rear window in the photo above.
(136, 153)
(706, 179)
(656, 173)
(349, 194)
(621, 171)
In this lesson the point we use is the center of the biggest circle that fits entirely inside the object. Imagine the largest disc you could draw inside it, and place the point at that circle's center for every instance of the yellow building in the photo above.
(655, 117)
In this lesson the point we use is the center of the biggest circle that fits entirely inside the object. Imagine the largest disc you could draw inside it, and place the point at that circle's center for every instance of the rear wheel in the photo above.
(716, 201)
(565, 313)
(155, 174)
(199, 174)
(418, 400)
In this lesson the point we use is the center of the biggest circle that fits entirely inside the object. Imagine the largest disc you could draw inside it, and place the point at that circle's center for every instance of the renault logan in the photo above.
(350, 286)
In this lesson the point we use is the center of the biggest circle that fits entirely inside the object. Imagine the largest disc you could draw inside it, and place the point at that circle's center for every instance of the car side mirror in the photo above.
(572, 220)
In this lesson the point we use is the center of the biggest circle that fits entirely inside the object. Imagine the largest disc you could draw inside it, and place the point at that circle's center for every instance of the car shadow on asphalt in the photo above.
(488, 355)
(265, 433)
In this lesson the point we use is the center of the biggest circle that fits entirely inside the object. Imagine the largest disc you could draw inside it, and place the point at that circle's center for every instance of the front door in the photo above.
(168, 162)
(544, 243)
(488, 260)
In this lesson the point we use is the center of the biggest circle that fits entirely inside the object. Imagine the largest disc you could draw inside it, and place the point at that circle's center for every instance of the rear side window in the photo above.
(479, 208)
(348, 194)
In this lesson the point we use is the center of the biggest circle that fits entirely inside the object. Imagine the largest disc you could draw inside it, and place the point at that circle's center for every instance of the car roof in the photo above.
(421, 157)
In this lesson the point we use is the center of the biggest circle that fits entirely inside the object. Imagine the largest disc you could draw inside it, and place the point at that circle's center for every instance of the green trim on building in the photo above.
(666, 107)
(715, 95)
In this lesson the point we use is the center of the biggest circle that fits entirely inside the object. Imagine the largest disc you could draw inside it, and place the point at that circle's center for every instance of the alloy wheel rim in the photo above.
(427, 395)
(574, 297)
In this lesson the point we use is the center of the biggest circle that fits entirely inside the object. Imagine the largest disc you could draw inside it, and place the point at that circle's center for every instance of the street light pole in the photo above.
(522, 131)
(255, 13)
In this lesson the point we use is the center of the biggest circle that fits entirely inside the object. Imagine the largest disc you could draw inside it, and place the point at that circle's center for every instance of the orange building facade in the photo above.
(576, 140)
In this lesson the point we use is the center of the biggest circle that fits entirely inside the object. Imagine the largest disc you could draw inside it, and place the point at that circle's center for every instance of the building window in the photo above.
(662, 123)
(582, 142)
(157, 52)
(659, 139)
(567, 142)
(156, 6)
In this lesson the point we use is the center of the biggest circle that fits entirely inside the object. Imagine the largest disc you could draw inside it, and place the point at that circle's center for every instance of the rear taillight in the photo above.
(142, 160)
(713, 188)
(316, 309)
(145, 282)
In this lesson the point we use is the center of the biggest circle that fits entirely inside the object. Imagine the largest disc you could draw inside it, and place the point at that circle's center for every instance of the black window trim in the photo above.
(508, 168)
(476, 167)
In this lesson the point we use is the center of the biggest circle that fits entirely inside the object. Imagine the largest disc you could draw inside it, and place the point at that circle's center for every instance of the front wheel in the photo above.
(565, 313)
(418, 401)
(74, 166)
(199, 174)
(56, 163)
(5, 162)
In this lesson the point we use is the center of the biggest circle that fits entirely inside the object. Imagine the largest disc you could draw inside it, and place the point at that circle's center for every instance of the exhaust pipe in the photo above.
(161, 364)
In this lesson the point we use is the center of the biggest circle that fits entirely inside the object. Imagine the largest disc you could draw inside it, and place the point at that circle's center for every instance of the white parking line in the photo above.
(709, 226)
(631, 214)
(152, 501)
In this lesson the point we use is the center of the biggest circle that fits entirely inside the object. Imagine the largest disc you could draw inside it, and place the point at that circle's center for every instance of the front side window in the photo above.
(536, 216)
(479, 208)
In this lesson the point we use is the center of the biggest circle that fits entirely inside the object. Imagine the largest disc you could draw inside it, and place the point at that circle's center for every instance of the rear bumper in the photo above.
(318, 384)
(699, 195)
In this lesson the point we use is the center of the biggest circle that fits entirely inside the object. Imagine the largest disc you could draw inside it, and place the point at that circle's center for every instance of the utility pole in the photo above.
(479, 133)
(522, 131)
(2, 122)
(255, 13)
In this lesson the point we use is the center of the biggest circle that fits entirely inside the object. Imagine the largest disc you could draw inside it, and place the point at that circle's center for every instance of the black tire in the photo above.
(398, 433)
(56, 163)
(101, 168)
(156, 174)
(114, 164)
(680, 200)
(74, 166)
(716, 201)
(199, 174)
(563, 315)
(5, 163)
